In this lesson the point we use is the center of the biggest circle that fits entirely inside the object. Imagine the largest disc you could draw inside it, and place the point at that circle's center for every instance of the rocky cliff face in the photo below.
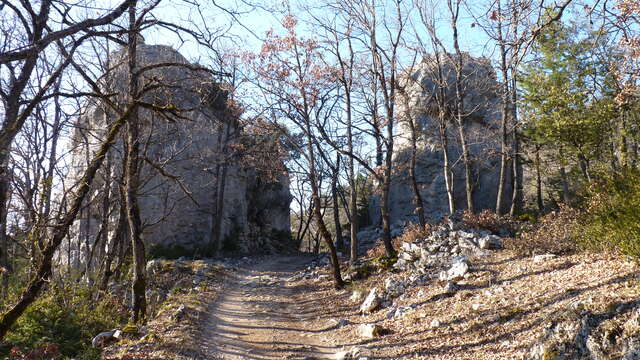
(182, 158)
(482, 124)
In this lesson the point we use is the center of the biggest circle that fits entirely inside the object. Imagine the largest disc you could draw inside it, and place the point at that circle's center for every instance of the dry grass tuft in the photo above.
(411, 233)
(554, 233)
(489, 220)
(175, 332)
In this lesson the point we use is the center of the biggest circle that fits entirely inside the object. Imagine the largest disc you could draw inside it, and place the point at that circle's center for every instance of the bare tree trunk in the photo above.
(317, 206)
(467, 167)
(45, 199)
(103, 232)
(584, 167)
(316, 239)
(446, 168)
(87, 232)
(539, 199)
(347, 66)
(326, 236)
(336, 204)
(5, 267)
(353, 194)
(353, 229)
(106, 206)
(563, 178)
(412, 174)
(376, 122)
(466, 158)
(123, 251)
(386, 216)
(388, 91)
(516, 198)
(442, 127)
(114, 245)
(86, 272)
(303, 233)
(132, 181)
(517, 179)
(504, 158)
(386, 187)
(565, 186)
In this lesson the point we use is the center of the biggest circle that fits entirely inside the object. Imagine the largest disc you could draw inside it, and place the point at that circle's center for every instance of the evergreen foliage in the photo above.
(612, 219)
(67, 318)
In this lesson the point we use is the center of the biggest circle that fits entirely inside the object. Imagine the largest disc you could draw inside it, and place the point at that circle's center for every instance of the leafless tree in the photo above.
(460, 117)
(132, 173)
(415, 131)
(438, 105)
(44, 265)
(340, 43)
(29, 30)
(385, 67)
(290, 77)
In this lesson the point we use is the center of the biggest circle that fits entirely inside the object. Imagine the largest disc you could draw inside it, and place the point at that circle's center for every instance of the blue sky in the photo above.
(250, 25)
(254, 24)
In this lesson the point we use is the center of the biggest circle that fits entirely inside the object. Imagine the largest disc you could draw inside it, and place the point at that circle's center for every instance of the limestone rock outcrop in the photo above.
(182, 157)
(482, 124)
(578, 332)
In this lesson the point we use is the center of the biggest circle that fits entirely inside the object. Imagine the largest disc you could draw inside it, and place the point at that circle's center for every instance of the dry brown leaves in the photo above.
(169, 336)
(553, 233)
(499, 311)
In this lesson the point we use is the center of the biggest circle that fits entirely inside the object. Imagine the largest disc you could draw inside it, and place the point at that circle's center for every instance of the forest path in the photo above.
(264, 314)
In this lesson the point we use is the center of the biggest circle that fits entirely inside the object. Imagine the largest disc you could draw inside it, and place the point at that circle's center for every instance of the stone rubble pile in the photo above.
(442, 246)
(313, 271)
(444, 255)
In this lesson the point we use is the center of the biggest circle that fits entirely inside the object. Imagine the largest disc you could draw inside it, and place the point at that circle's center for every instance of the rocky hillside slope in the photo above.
(455, 293)
(458, 294)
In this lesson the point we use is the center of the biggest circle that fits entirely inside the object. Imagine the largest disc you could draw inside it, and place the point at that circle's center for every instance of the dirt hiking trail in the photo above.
(269, 310)
(263, 314)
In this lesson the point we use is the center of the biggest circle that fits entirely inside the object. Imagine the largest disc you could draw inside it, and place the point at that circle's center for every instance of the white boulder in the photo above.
(369, 331)
(371, 302)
